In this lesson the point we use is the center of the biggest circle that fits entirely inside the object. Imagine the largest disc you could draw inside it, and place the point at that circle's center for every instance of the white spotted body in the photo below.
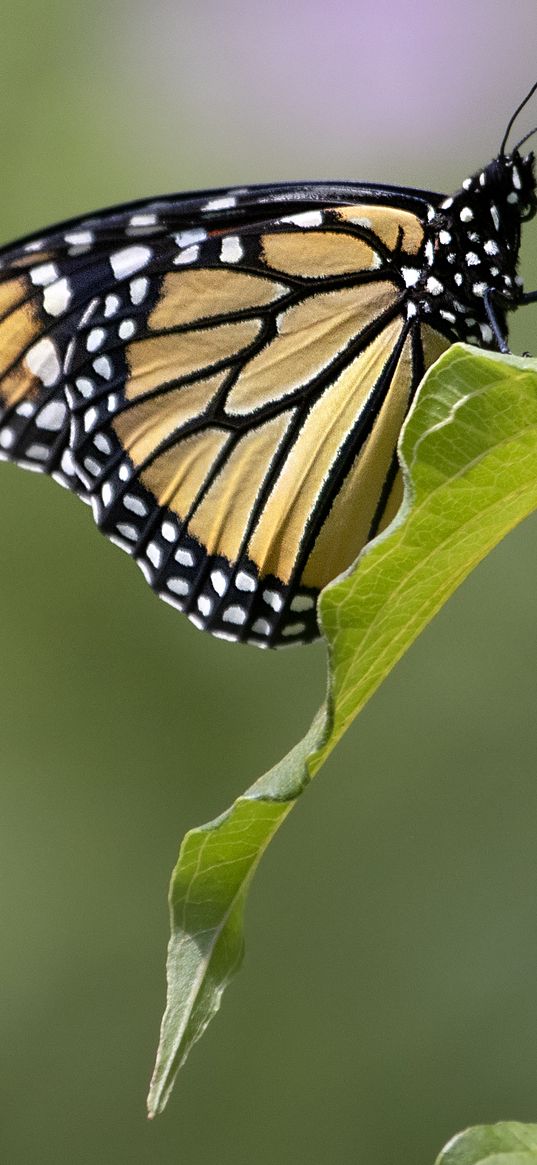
(472, 250)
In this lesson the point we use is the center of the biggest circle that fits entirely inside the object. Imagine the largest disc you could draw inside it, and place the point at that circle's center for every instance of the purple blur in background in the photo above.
(376, 90)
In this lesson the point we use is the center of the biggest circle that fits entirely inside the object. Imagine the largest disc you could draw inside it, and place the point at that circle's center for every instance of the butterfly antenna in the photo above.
(513, 119)
(524, 139)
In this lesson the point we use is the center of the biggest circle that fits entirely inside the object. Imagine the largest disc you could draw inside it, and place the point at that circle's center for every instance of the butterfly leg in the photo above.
(528, 297)
(491, 316)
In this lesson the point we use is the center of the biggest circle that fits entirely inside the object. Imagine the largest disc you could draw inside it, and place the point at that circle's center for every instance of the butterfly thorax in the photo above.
(471, 250)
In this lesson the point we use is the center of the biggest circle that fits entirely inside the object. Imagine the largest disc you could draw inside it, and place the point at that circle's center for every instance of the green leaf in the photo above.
(507, 1143)
(469, 457)
(207, 894)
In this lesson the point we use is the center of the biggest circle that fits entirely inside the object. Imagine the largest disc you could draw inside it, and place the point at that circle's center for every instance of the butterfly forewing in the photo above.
(226, 378)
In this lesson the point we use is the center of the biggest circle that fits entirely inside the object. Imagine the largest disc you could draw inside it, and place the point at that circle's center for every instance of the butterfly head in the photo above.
(512, 169)
(499, 197)
(476, 231)
(474, 236)
(509, 181)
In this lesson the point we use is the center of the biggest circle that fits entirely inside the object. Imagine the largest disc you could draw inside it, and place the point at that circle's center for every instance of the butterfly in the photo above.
(223, 376)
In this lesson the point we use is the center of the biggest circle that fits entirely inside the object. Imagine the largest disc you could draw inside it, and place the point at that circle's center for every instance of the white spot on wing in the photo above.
(129, 260)
(189, 255)
(57, 297)
(95, 338)
(126, 329)
(67, 463)
(103, 366)
(434, 285)
(168, 531)
(85, 387)
(88, 312)
(102, 443)
(138, 289)
(187, 238)
(52, 416)
(111, 305)
(220, 203)
(262, 627)
(234, 614)
(127, 531)
(302, 603)
(79, 238)
(273, 599)
(154, 554)
(307, 218)
(245, 582)
(44, 274)
(135, 505)
(107, 493)
(294, 629)
(179, 586)
(90, 417)
(231, 250)
(42, 360)
(184, 557)
(410, 275)
(219, 581)
(38, 452)
(69, 353)
(142, 220)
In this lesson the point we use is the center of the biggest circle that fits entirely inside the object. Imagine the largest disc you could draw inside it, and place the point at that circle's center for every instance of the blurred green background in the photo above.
(389, 992)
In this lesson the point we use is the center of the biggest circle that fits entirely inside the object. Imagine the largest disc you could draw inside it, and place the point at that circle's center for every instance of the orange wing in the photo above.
(229, 399)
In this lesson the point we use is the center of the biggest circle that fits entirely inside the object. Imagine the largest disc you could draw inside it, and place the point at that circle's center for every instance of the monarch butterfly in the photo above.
(224, 375)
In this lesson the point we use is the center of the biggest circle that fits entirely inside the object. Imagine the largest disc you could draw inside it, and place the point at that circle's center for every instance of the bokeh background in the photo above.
(389, 993)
